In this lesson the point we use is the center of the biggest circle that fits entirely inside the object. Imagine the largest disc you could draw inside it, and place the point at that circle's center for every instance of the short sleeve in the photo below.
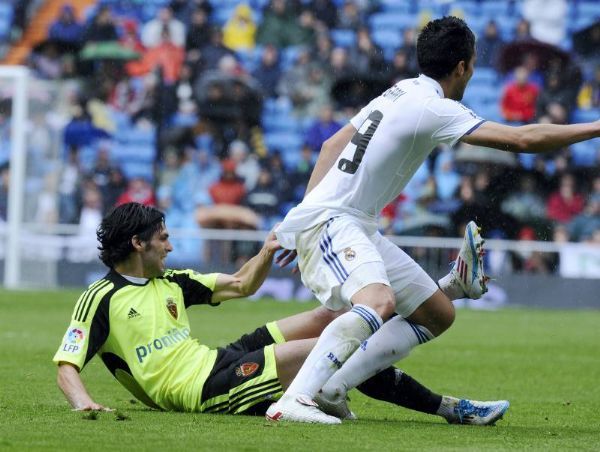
(197, 288)
(362, 116)
(449, 121)
(88, 329)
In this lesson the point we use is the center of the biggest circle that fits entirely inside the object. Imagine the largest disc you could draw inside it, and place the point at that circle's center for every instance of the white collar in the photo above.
(434, 83)
(135, 279)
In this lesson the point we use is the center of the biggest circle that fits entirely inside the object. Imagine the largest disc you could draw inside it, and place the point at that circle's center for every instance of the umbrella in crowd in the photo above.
(109, 50)
(512, 54)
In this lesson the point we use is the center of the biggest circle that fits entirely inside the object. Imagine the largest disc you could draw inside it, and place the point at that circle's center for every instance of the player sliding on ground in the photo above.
(135, 319)
(346, 262)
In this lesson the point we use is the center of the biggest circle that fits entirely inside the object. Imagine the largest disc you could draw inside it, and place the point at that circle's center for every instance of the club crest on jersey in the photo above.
(172, 307)
(246, 369)
(349, 254)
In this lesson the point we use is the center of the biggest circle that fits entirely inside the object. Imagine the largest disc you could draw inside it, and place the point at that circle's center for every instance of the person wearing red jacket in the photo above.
(519, 98)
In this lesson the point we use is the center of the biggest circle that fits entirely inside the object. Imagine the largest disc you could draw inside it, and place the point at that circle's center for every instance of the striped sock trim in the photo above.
(419, 332)
(368, 317)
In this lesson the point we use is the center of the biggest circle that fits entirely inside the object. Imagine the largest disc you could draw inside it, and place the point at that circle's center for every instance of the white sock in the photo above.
(394, 341)
(335, 345)
(451, 287)
(446, 409)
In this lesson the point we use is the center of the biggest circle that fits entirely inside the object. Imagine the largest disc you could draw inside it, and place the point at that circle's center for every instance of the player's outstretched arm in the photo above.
(249, 278)
(330, 151)
(69, 381)
(532, 138)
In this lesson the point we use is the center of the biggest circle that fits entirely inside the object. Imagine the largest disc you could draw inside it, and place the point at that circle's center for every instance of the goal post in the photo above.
(17, 76)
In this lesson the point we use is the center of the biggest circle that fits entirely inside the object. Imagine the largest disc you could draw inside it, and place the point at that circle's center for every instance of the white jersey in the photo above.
(395, 133)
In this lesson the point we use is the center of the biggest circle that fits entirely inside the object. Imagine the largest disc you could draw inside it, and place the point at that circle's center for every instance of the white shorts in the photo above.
(341, 256)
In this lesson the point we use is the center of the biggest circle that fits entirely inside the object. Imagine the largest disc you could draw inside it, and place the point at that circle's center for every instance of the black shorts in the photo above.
(244, 377)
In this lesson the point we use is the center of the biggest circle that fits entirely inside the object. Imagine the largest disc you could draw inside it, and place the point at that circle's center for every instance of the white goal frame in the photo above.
(17, 75)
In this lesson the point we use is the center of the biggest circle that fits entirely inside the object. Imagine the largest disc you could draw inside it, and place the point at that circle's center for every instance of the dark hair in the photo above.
(442, 44)
(120, 225)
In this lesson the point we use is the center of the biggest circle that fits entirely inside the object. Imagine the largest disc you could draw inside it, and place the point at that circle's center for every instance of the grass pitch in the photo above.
(545, 362)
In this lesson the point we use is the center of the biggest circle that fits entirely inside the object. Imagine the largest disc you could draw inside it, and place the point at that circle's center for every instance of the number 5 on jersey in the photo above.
(361, 140)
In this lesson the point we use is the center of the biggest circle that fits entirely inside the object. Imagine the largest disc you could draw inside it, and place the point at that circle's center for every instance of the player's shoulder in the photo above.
(447, 107)
(91, 297)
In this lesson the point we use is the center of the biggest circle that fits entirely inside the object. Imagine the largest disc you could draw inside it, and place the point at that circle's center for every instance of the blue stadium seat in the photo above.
(280, 123)
(133, 154)
(343, 38)
(137, 169)
(484, 76)
(590, 115)
(586, 153)
(222, 14)
(494, 9)
(387, 39)
(396, 6)
(284, 141)
(134, 135)
(392, 21)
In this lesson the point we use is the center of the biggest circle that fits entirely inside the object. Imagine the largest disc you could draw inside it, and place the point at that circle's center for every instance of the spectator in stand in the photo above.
(349, 16)
(239, 32)
(68, 188)
(322, 51)
(280, 175)
(66, 28)
(280, 27)
(183, 9)
(325, 11)
(153, 31)
(214, 51)
(519, 98)
(91, 212)
(366, 57)
(116, 186)
(489, 46)
(138, 190)
(525, 204)
(100, 172)
(167, 57)
(47, 63)
(230, 188)
(339, 66)
(209, 170)
(409, 45)
(268, 73)
(301, 174)
(563, 205)
(4, 183)
(322, 128)
(309, 95)
(556, 100)
(522, 30)
(131, 40)
(80, 131)
(264, 199)
(548, 19)
(246, 164)
(399, 69)
(199, 31)
(102, 27)
(589, 95)
(585, 225)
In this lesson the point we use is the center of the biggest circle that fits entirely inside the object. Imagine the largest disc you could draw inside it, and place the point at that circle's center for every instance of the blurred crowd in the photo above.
(238, 106)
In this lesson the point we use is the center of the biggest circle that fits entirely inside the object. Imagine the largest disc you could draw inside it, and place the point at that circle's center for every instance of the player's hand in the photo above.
(271, 242)
(93, 406)
(286, 257)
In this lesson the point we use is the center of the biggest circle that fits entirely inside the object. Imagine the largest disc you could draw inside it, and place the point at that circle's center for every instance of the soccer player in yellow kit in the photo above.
(135, 319)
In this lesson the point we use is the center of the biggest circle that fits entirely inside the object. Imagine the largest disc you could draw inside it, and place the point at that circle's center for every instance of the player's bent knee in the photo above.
(379, 297)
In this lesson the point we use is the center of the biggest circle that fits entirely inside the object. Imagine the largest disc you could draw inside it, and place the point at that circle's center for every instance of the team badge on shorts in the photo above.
(172, 307)
(246, 369)
(349, 254)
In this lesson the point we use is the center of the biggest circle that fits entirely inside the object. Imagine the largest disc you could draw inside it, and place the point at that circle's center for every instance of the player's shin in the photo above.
(392, 342)
(335, 345)
(394, 386)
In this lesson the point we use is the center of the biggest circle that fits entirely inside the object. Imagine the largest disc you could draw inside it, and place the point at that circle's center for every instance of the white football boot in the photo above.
(467, 270)
(338, 408)
(299, 409)
(474, 412)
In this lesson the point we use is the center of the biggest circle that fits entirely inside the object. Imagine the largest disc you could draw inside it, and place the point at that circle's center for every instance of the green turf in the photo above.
(545, 362)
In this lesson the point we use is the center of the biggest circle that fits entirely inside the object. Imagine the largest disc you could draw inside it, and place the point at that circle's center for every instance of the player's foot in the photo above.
(335, 407)
(474, 412)
(468, 267)
(299, 409)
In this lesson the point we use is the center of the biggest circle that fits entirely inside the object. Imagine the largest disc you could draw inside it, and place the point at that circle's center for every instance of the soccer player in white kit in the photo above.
(346, 262)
